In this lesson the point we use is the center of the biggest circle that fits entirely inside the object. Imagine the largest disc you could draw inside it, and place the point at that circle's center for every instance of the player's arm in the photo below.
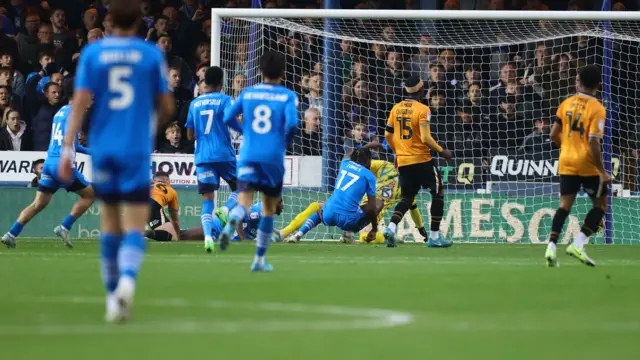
(231, 115)
(388, 133)
(370, 207)
(173, 212)
(190, 124)
(241, 233)
(165, 103)
(291, 117)
(556, 129)
(596, 132)
(425, 135)
(81, 101)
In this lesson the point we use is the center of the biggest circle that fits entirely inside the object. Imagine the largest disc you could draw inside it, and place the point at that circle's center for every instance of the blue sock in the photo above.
(265, 229)
(311, 222)
(109, 245)
(237, 214)
(131, 254)
(16, 229)
(68, 222)
(232, 201)
(206, 217)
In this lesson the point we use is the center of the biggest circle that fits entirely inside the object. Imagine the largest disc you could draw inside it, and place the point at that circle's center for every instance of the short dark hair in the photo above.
(45, 52)
(590, 77)
(6, 69)
(160, 17)
(4, 52)
(361, 155)
(213, 76)
(475, 83)
(49, 85)
(126, 13)
(272, 65)
(37, 162)
(162, 36)
(159, 174)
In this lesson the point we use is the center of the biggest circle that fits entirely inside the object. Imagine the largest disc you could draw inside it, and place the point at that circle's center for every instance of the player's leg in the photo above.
(42, 199)
(164, 232)
(270, 201)
(208, 183)
(300, 219)
(110, 239)
(237, 214)
(591, 221)
(569, 188)
(433, 180)
(416, 216)
(311, 222)
(87, 196)
(228, 173)
(409, 186)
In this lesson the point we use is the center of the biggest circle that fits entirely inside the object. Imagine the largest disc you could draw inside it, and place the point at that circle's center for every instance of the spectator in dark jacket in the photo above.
(175, 144)
(15, 136)
(308, 141)
(42, 122)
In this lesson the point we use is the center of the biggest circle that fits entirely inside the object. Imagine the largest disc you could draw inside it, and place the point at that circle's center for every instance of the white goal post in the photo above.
(494, 79)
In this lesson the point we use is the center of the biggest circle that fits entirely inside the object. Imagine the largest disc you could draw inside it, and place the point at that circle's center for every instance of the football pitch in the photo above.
(324, 301)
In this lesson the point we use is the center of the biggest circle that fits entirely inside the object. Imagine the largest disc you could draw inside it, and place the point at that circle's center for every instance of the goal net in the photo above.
(493, 87)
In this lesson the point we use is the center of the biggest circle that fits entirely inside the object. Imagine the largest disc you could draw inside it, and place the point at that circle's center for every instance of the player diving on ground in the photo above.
(387, 190)
(343, 208)
(51, 182)
(163, 195)
(578, 131)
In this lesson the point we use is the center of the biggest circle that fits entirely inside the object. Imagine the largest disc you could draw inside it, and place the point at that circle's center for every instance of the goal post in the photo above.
(348, 67)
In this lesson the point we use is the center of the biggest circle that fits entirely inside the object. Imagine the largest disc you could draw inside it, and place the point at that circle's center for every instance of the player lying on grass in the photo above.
(248, 230)
(343, 208)
(578, 131)
(387, 190)
(51, 182)
(163, 195)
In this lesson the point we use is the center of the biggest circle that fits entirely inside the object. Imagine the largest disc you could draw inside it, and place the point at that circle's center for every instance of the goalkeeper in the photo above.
(387, 190)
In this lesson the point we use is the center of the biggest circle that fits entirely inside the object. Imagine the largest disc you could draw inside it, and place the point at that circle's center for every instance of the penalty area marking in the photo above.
(349, 318)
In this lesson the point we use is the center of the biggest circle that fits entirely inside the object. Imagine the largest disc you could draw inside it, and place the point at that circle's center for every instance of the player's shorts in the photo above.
(420, 176)
(571, 184)
(347, 222)
(50, 182)
(122, 178)
(156, 215)
(266, 178)
(209, 175)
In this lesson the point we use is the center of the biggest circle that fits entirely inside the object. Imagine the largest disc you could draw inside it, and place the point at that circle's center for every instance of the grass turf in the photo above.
(470, 301)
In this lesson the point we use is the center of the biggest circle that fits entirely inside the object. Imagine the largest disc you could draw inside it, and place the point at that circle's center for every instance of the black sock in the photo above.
(150, 234)
(400, 209)
(592, 221)
(159, 235)
(558, 223)
(437, 210)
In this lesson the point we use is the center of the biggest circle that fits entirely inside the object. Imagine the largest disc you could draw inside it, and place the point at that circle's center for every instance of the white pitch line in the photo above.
(355, 318)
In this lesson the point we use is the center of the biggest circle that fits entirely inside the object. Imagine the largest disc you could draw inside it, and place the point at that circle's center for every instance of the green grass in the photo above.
(467, 302)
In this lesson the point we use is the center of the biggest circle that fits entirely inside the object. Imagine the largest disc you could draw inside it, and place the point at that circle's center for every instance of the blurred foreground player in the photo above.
(127, 77)
(269, 120)
(578, 132)
(163, 195)
(50, 182)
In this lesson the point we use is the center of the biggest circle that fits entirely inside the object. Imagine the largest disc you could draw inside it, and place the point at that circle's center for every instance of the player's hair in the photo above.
(37, 162)
(49, 85)
(361, 156)
(159, 174)
(272, 65)
(214, 76)
(590, 77)
(126, 13)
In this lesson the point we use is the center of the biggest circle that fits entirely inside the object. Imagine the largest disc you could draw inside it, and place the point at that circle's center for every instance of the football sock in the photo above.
(237, 214)
(392, 227)
(557, 224)
(68, 222)
(592, 221)
(109, 246)
(131, 254)
(15, 229)
(401, 209)
(552, 246)
(434, 235)
(580, 240)
(437, 210)
(231, 202)
(311, 222)
(265, 229)
(162, 235)
(206, 217)
(297, 222)
(416, 216)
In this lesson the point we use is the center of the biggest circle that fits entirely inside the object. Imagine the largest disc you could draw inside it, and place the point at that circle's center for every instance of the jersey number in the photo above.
(343, 174)
(406, 132)
(261, 119)
(576, 124)
(119, 84)
(162, 187)
(56, 135)
(209, 115)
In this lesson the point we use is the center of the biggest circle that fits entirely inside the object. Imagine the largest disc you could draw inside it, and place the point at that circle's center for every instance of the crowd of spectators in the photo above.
(483, 99)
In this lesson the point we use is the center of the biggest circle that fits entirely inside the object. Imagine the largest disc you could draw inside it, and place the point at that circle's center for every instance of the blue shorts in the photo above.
(347, 222)
(124, 178)
(50, 182)
(209, 175)
(266, 178)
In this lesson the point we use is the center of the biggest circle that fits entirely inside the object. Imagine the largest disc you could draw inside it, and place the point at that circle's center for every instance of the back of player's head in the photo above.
(413, 85)
(272, 65)
(160, 176)
(590, 77)
(213, 76)
(361, 156)
(125, 13)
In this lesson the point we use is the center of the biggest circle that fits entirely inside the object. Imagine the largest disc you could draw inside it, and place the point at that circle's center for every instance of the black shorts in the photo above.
(419, 176)
(571, 184)
(156, 217)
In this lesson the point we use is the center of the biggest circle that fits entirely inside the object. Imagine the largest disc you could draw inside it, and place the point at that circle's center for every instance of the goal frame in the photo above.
(605, 16)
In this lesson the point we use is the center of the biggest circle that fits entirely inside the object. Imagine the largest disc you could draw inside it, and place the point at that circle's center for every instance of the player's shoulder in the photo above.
(421, 107)
(595, 104)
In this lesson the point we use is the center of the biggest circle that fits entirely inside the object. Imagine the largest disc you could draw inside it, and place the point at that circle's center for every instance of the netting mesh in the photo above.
(493, 89)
